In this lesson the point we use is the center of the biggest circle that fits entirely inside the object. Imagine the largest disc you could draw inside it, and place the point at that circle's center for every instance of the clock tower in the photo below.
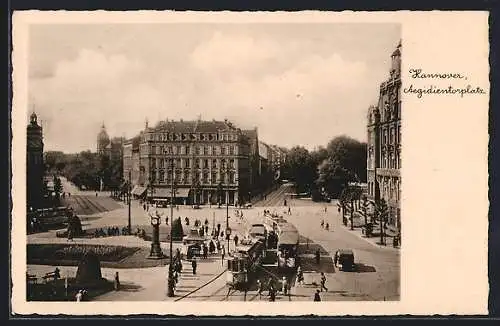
(34, 164)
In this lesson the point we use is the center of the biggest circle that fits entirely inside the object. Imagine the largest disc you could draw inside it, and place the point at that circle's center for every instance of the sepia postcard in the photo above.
(223, 163)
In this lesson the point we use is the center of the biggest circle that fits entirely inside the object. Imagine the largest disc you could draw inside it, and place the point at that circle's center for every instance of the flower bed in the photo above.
(37, 253)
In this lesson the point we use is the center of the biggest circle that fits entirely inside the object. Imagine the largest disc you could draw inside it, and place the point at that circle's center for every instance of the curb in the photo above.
(368, 241)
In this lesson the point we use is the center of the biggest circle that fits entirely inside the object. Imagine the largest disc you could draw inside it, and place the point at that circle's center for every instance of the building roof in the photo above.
(194, 126)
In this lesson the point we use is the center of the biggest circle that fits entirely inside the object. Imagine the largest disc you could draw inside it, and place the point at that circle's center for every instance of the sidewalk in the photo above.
(374, 239)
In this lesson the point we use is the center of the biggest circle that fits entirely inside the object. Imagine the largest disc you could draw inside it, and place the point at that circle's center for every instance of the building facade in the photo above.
(34, 164)
(384, 143)
(208, 161)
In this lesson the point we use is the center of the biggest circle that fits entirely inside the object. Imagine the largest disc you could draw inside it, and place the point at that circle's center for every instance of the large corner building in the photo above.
(209, 162)
(384, 143)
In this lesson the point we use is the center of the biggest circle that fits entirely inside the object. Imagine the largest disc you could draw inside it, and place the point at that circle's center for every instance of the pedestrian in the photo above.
(318, 256)
(284, 286)
(270, 286)
(300, 276)
(194, 265)
(289, 211)
(235, 240)
(57, 274)
(325, 208)
(259, 289)
(284, 202)
(79, 296)
(70, 235)
(223, 254)
(316, 296)
(117, 281)
(323, 281)
(272, 295)
(205, 251)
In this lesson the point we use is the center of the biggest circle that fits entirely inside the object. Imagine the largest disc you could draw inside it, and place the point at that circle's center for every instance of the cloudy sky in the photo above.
(300, 84)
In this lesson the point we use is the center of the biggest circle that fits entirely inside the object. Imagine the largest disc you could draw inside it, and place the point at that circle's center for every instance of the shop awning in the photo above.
(138, 190)
(166, 193)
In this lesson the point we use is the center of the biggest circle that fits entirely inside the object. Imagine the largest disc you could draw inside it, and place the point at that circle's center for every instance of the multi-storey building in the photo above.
(384, 143)
(208, 162)
(34, 164)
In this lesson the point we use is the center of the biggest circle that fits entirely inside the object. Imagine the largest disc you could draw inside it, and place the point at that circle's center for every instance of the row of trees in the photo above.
(329, 169)
(85, 169)
(352, 199)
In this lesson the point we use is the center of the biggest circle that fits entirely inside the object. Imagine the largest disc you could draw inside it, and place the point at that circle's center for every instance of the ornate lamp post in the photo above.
(155, 252)
(129, 195)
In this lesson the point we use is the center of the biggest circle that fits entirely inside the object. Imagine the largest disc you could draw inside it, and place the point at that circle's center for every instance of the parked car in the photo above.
(344, 260)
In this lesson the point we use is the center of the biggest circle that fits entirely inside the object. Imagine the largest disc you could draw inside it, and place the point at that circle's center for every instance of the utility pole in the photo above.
(170, 266)
(129, 201)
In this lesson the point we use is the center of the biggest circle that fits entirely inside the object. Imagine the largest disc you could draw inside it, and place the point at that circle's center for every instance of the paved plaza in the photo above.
(377, 278)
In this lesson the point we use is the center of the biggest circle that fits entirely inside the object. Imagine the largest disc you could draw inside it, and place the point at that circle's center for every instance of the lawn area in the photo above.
(56, 290)
(109, 256)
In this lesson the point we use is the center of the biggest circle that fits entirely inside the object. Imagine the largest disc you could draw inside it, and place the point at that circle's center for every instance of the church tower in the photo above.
(34, 164)
(103, 141)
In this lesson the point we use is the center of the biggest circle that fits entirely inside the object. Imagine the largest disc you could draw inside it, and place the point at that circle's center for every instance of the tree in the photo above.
(364, 208)
(301, 168)
(57, 188)
(345, 162)
(382, 212)
(177, 231)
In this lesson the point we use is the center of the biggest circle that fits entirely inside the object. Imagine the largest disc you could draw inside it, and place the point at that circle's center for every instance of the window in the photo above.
(198, 150)
(162, 176)
(205, 164)
(153, 149)
(169, 176)
(188, 150)
(231, 150)
(214, 177)
(177, 176)
(153, 163)
(178, 163)
(232, 177)
(223, 150)
(205, 150)
(216, 150)
(231, 164)
(210, 150)
(162, 163)
(187, 176)
(223, 164)
(153, 175)
(198, 163)
(205, 177)
(235, 150)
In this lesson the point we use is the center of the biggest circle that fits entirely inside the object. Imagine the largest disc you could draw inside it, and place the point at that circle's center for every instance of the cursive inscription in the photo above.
(449, 89)
(418, 73)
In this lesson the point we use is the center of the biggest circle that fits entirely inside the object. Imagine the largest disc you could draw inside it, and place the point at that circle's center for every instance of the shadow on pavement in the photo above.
(362, 268)
(307, 260)
(130, 287)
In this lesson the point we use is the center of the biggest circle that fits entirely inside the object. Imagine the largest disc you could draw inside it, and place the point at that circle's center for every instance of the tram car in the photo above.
(288, 243)
(258, 232)
(242, 266)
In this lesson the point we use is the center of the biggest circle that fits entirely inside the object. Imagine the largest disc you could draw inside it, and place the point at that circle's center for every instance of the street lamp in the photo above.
(129, 195)
(170, 280)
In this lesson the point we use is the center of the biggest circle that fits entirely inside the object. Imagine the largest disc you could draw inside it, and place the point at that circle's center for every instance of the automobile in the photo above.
(248, 205)
(344, 260)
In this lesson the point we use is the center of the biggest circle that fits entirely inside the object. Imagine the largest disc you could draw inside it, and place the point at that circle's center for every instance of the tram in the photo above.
(242, 266)
(288, 243)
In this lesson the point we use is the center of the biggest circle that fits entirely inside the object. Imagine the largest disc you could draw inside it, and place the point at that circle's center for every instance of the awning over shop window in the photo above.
(166, 193)
(138, 190)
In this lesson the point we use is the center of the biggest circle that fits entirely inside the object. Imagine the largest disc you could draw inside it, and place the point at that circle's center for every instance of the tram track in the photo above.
(201, 287)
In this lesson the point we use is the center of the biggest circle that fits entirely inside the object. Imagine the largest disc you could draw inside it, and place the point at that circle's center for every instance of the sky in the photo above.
(299, 84)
